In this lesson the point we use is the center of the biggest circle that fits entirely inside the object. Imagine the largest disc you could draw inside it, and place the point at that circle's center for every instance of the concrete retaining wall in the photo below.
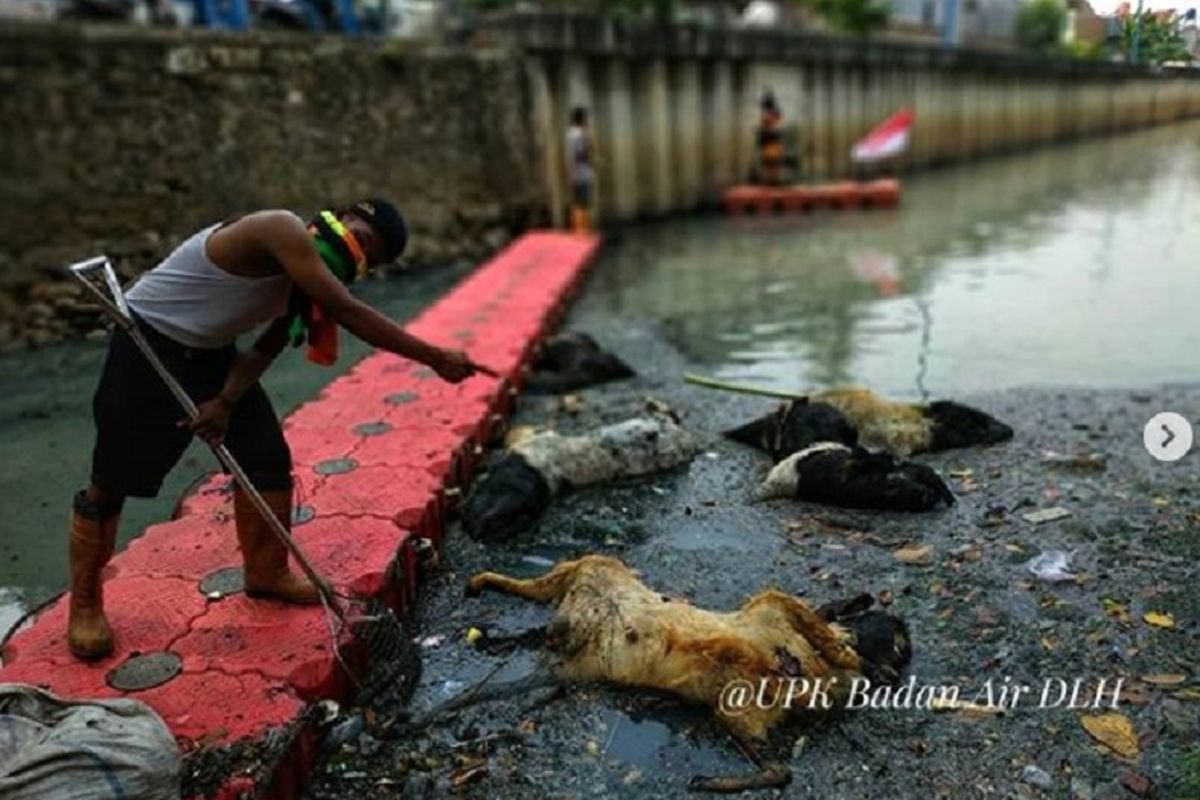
(675, 108)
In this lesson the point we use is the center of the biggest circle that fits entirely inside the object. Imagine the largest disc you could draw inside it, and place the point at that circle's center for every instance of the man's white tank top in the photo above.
(193, 301)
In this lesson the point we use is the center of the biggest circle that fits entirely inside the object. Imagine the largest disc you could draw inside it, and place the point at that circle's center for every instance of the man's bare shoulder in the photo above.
(250, 244)
(265, 224)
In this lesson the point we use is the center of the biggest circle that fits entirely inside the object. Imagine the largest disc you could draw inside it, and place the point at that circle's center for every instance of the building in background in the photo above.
(978, 23)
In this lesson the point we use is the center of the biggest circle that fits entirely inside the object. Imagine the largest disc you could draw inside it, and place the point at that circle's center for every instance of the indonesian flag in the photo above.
(888, 139)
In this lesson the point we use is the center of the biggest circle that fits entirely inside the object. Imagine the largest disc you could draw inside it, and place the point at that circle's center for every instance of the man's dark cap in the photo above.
(387, 222)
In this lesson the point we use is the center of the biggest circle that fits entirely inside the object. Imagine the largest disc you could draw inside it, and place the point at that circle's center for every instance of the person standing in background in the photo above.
(770, 141)
(579, 170)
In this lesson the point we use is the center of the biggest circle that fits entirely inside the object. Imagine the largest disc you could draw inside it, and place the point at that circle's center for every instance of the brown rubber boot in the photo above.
(90, 544)
(265, 557)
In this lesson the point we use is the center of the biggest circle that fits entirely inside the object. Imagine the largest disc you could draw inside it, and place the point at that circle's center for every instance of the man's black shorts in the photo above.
(581, 194)
(138, 439)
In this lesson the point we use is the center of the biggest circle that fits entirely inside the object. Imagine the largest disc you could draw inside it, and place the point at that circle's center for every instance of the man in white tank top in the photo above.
(266, 267)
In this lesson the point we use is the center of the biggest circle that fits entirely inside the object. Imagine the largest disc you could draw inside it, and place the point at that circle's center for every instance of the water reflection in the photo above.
(1072, 265)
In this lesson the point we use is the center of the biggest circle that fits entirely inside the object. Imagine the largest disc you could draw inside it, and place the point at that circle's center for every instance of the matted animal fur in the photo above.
(538, 465)
(574, 360)
(855, 416)
(608, 626)
(832, 473)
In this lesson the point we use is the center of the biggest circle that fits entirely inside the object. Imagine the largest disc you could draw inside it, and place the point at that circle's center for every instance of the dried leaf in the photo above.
(469, 773)
(1170, 679)
(1113, 730)
(913, 555)
(1137, 783)
(1159, 619)
(1115, 610)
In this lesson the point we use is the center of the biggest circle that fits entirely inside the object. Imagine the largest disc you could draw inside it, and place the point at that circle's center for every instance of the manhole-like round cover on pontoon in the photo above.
(145, 671)
(336, 466)
(401, 398)
(228, 580)
(371, 428)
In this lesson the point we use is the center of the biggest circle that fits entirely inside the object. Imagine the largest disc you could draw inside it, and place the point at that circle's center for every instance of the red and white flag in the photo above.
(890, 138)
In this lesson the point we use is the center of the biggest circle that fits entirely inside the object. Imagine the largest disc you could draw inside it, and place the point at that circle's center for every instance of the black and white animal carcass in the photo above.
(861, 417)
(851, 477)
(538, 465)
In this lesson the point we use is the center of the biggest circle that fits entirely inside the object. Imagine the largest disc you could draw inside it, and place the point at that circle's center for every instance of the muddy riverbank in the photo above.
(976, 613)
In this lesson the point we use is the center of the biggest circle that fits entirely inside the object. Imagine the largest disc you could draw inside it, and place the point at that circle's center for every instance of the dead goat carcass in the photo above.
(861, 417)
(838, 475)
(537, 465)
(573, 360)
(608, 626)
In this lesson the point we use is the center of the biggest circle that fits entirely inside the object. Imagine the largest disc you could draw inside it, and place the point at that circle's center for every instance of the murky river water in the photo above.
(1075, 265)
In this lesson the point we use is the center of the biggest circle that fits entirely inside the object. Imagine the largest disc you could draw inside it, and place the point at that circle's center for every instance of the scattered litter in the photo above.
(468, 773)
(431, 641)
(1036, 776)
(1046, 515)
(1052, 566)
(1137, 783)
(1113, 730)
(1080, 462)
(993, 517)
(913, 555)
(1164, 680)
(1159, 619)
(712, 454)
(345, 731)
(474, 635)
(572, 403)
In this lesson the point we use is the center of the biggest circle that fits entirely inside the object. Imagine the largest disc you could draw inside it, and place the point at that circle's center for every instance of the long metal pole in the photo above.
(119, 312)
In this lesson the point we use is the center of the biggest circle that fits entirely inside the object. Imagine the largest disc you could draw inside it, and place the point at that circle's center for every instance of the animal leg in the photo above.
(809, 624)
(543, 589)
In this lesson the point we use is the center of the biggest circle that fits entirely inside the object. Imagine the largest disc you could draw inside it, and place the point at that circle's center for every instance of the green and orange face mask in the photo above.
(345, 259)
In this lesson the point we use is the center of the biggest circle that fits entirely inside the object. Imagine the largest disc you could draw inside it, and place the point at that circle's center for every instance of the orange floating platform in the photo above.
(373, 456)
(781, 199)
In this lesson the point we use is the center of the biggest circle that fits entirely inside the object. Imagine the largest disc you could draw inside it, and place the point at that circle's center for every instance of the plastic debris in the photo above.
(1052, 566)
(346, 731)
(1046, 515)
(1036, 776)
(474, 635)
(431, 641)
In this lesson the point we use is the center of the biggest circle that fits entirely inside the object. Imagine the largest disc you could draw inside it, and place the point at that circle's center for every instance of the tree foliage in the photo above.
(1040, 25)
(858, 17)
(1158, 41)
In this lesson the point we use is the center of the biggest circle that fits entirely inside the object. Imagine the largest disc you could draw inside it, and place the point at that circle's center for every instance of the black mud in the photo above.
(975, 612)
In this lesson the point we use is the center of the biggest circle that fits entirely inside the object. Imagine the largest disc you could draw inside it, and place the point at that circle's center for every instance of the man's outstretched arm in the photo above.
(285, 237)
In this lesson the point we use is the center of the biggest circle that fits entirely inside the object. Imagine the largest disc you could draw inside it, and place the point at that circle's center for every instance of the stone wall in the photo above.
(123, 140)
